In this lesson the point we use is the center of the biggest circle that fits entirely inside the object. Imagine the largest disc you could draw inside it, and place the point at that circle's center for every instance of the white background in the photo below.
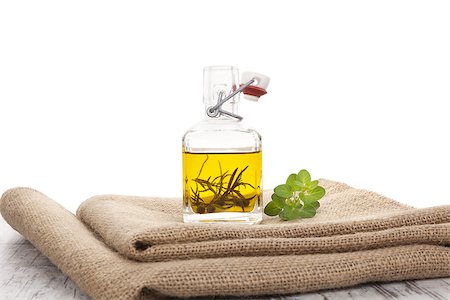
(95, 95)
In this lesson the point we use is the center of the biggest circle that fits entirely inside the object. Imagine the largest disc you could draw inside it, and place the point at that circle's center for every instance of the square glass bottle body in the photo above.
(222, 173)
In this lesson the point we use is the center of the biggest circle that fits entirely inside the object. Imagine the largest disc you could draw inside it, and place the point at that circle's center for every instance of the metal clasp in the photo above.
(216, 110)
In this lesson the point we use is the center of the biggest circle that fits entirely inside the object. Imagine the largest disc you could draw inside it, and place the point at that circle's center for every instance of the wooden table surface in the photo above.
(26, 274)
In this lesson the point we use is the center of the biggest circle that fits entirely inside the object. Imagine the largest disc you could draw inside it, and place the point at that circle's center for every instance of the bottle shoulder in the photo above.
(221, 136)
(218, 126)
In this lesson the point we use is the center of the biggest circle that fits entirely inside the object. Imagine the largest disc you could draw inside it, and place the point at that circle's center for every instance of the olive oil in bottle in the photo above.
(221, 182)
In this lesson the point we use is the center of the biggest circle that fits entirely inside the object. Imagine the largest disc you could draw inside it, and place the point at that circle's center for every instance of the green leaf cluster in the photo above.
(297, 198)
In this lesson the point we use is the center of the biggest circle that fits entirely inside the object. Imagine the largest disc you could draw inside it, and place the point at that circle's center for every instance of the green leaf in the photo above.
(313, 184)
(302, 196)
(316, 194)
(307, 213)
(284, 191)
(311, 204)
(293, 182)
(279, 201)
(304, 177)
(290, 213)
(272, 209)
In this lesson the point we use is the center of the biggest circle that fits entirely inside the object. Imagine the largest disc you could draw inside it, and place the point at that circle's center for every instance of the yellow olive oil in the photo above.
(221, 182)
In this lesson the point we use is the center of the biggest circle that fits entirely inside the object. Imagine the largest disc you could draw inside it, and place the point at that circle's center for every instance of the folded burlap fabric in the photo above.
(151, 229)
(105, 274)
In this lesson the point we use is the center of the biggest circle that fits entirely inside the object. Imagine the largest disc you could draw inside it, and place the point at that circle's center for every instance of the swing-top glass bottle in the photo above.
(222, 159)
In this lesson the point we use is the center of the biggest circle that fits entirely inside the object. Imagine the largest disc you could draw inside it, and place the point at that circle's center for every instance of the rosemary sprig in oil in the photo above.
(226, 190)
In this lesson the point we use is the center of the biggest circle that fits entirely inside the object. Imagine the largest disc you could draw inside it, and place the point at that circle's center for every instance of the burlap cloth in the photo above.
(356, 237)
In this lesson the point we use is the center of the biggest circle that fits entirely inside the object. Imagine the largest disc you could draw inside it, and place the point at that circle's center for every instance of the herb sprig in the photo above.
(297, 198)
(224, 191)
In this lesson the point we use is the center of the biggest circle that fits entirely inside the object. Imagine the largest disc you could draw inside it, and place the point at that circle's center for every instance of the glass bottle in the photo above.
(222, 159)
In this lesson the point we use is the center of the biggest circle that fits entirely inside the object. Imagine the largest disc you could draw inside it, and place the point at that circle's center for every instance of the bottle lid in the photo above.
(257, 88)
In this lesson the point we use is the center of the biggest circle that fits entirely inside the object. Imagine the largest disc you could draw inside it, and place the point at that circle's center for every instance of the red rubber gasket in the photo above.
(254, 91)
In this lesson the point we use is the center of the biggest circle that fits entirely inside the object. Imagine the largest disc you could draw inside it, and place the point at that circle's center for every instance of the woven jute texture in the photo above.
(104, 273)
(151, 229)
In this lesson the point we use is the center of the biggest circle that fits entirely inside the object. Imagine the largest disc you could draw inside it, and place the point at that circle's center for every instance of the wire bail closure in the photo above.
(216, 110)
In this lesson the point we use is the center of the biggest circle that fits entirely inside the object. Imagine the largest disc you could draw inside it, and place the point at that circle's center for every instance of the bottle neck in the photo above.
(218, 82)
